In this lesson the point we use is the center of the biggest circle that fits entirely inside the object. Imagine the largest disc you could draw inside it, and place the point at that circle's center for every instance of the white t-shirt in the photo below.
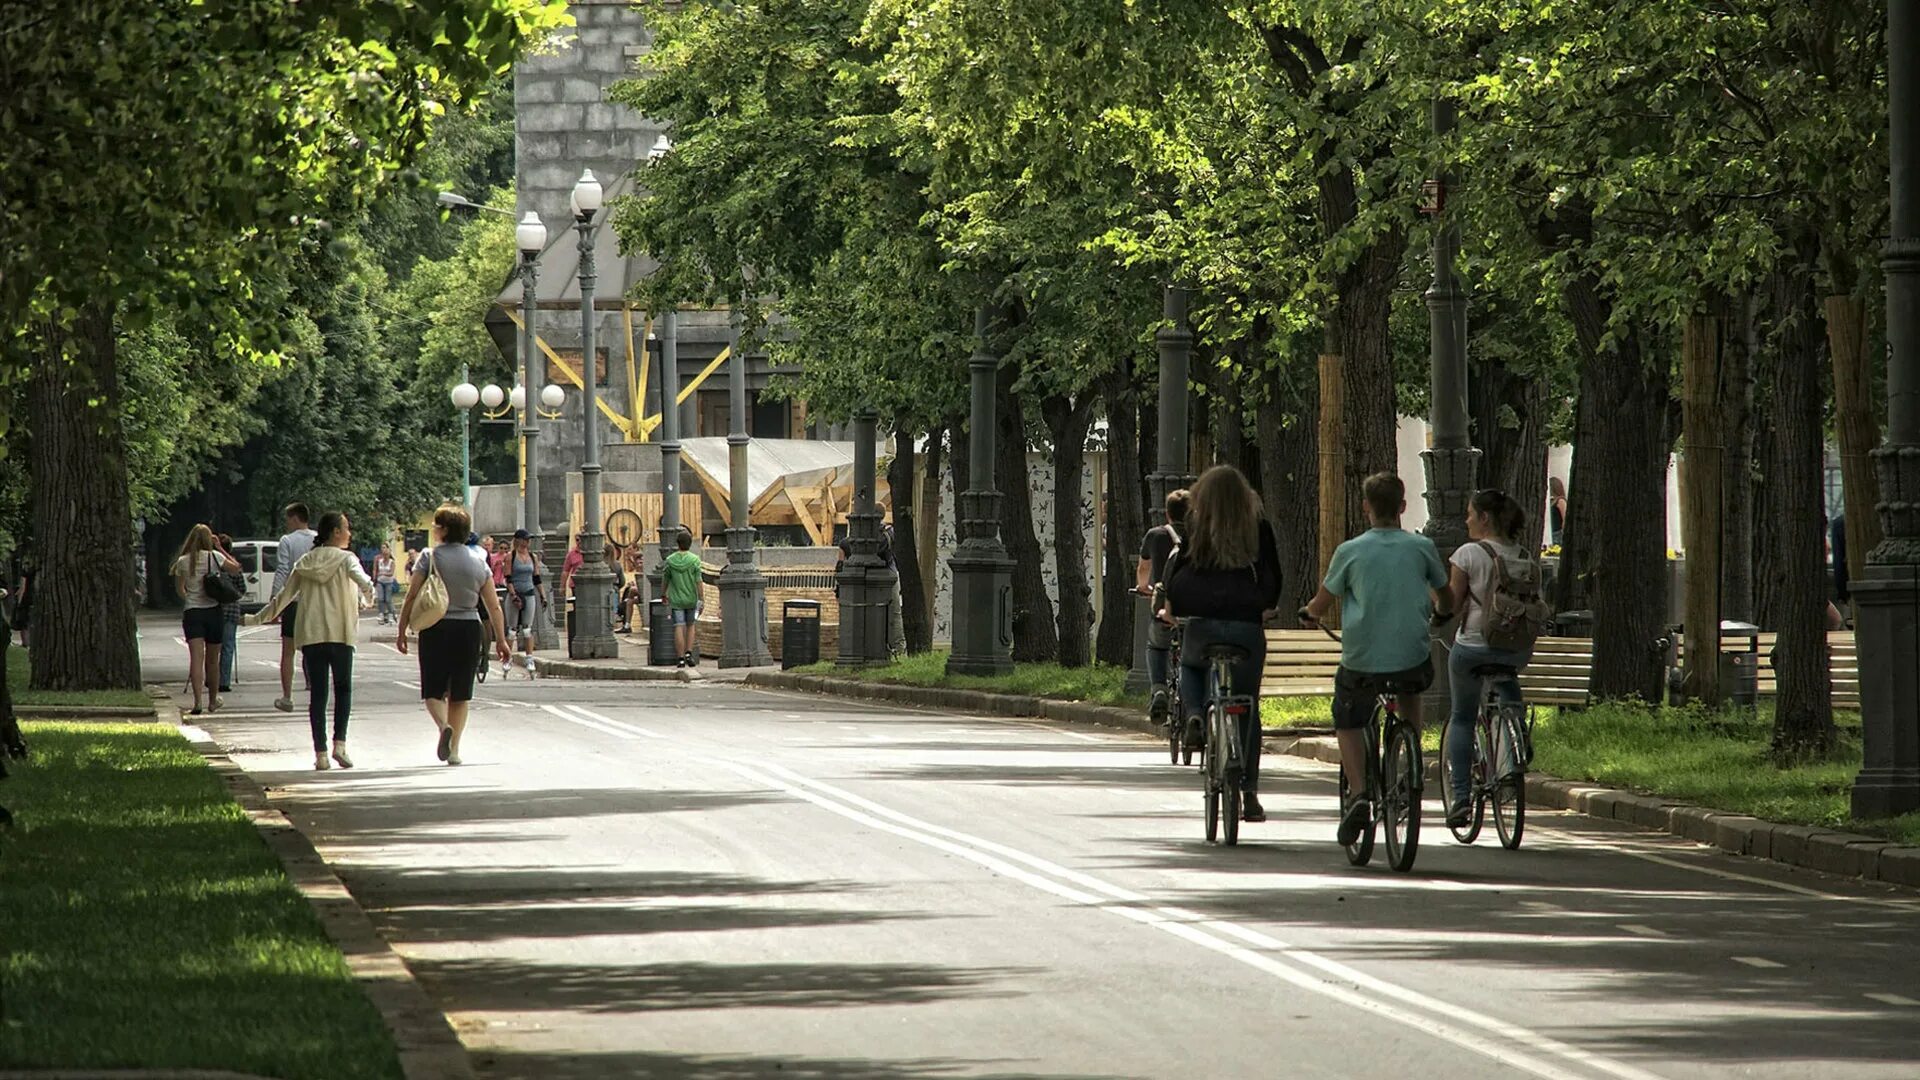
(1473, 560)
(193, 579)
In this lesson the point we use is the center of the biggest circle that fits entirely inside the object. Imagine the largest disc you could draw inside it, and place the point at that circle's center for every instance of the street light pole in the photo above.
(866, 582)
(669, 436)
(1888, 594)
(743, 588)
(1174, 341)
(593, 590)
(531, 236)
(982, 572)
(1452, 462)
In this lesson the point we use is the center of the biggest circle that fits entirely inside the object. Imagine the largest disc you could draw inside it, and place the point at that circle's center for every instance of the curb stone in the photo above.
(82, 712)
(573, 669)
(1847, 854)
(428, 1048)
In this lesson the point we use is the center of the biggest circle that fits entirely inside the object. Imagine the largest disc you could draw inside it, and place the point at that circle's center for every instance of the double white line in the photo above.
(1509, 1044)
(607, 725)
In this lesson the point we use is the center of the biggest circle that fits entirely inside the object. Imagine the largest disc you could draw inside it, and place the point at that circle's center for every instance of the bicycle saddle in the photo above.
(1495, 671)
(1220, 650)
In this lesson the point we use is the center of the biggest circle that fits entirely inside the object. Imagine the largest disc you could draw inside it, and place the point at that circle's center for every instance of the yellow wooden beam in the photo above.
(636, 382)
(619, 421)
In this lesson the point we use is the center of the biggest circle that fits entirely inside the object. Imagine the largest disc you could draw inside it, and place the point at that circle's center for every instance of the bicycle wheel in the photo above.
(1230, 815)
(1469, 832)
(1361, 850)
(1176, 731)
(1510, 791)
(1400, 798)
(1209, 769)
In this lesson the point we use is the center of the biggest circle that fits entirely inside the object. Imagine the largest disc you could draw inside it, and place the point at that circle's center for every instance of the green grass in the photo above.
(1101, 684)
(146, 924)
(18, 672)
(1716, 759)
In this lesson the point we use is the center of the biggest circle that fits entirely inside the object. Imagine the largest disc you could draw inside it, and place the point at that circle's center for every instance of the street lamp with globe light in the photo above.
(594, 592)
(530, 237)
(465, 396)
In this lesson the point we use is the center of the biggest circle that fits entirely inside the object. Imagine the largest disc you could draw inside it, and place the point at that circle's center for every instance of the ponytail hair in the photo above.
(1506, 516)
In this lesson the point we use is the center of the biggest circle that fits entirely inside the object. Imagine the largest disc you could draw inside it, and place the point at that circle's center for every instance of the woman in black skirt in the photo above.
(450, 648)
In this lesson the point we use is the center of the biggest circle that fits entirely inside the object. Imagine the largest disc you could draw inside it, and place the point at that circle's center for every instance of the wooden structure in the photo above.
(1301, 663)
(647, 504)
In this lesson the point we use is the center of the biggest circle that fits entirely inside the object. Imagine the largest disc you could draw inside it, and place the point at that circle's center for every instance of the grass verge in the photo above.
(1100, 684)
(1716, 759)
(147, 924)
(19, 671)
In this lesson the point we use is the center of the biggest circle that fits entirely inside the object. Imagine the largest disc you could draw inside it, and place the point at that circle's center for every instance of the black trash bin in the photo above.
(1740, 664)
(799, 633)
(1577, 624)
(660, 650)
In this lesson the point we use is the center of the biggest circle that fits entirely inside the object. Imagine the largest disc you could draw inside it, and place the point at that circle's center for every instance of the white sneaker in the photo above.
(284, 704)
(320, 762)
(340, 754)
(453, 759)
(214, 705)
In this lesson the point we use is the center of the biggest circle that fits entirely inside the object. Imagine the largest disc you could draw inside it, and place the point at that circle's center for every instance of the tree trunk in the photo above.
(1856, 426)
(1200, 451)
(1510, 412)
(1068, 419)
(83, 627)
(1769, 502)
(1370, 407)
(927, 517)
(1034, 638)
(1126, 521)
(1331, 464)
(1617, 499)
(914, 616)
(1702, 470)
(1736, 564)
(1803, 702)
(1290, 486)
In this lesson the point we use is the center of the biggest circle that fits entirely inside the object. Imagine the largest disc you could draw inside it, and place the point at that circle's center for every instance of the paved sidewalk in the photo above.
(632, 665)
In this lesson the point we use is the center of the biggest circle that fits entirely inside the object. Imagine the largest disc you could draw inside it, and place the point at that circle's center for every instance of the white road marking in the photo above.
(274, 664)
(1541, 905)
(1643, 930)
(1895, 999)
(1725, 875)
(604, 729)
(621, 724)
(1094, 892)
(406, 684)
(1757, 962)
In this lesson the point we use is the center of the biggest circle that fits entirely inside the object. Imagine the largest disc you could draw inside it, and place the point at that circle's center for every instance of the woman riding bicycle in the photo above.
(1494, 524)
(1224, 581)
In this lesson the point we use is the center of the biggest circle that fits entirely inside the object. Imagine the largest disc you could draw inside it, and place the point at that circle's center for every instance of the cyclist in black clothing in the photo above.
(1159, 544)
(1225, 581)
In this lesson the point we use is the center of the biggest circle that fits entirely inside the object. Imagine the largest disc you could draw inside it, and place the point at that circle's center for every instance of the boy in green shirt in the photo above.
(682, 574)
(1386, 580)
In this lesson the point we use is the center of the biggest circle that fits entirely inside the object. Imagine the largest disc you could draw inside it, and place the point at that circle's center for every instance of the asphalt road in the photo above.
(708, 883)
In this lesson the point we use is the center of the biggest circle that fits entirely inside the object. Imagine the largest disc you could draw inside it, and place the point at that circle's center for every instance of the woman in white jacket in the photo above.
(332, 588)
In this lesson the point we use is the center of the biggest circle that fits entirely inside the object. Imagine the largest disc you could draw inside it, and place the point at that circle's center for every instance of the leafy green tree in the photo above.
(163, 159)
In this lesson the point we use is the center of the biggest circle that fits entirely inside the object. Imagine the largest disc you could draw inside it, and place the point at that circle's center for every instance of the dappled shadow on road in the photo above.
(1580, 931)
(973, 745)
(474, 904)
(1136, 774)
(500, 1065)
(477, 984)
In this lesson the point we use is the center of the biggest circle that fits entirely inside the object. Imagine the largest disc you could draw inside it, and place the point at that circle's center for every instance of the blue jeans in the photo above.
(1466, 705)
(1198, 634)
(1157, 660)
(227, 654)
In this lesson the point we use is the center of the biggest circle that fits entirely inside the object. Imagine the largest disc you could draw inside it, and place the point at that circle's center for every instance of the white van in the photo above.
(258, 561)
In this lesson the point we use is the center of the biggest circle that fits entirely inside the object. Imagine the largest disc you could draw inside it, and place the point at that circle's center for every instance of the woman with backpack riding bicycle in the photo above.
(1224, 580)
(1494, 584)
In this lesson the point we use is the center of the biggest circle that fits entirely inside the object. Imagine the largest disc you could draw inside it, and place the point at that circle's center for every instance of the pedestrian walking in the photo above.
(450, 649)
(294, 545)
(1556, 510)
(385, 582)
(325, 593)
(525, 574)
(201, 624)
(682, 577)
(632, 576)
(22, 616)
(230, 616)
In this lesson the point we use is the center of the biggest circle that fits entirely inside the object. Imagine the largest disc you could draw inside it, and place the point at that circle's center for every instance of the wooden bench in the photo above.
(1301, 663)
(1842, 657)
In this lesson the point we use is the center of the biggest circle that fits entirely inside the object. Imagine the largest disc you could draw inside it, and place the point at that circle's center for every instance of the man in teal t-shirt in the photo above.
(682, 573)
(1385, 580)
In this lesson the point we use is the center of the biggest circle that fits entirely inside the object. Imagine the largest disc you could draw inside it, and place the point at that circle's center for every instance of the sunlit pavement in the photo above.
(656, 880)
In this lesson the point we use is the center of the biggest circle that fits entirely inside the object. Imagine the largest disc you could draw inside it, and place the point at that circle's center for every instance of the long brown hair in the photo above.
(1223, 522)
(199, 541)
